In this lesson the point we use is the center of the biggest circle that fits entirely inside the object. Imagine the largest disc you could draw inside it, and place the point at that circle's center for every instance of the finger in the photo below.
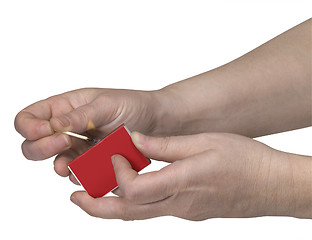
(33, 121)
(170, 149)
(83, 118)
(123, 170)
(46, 147)
(73, 179)
(62, 160)
(31, 127)
(61, 165)
(117, 208)
(148, 187)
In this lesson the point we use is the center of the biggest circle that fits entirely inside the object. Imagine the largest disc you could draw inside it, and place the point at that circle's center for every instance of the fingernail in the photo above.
(61, 141)
(73, 199)
(46, 129)
(138, 139)
(114, 158)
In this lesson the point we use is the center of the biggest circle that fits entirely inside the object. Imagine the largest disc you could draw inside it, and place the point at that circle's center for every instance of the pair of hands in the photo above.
(210, 175)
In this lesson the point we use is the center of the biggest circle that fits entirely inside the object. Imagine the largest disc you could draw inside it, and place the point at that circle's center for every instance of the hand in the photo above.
(210, 175)
(95, 111)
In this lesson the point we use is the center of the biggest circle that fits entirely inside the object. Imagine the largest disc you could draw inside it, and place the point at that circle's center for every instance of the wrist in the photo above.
(288, 186)
(302, 178)
(163, 121)
(192, 106)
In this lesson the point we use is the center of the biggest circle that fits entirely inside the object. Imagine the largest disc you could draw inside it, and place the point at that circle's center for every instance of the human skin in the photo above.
(211, 175)
(265, 91)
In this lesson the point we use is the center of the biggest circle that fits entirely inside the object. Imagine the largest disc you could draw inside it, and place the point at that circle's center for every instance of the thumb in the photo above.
(125, 175)
(145, 188)
(170, 149)
(79, 120)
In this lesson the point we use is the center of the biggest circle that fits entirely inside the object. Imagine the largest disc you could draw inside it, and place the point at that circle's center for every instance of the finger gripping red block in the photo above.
(94, 169)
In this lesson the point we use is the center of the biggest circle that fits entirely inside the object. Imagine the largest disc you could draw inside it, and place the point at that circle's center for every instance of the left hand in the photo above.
(210, 175)
(91, 111)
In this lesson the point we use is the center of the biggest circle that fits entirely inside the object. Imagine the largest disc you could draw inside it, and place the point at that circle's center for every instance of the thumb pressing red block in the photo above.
(94, 169)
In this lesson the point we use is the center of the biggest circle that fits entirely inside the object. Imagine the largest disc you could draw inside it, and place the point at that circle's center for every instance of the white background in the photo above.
(48, 47)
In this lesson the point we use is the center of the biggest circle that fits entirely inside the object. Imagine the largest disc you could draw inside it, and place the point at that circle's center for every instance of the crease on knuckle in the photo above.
(17, 122)
(82, 116)
(117, 210)
(122, 211)
(92, 211)
(164, 146)
(20, 123)
(102, 98)
(131, 193)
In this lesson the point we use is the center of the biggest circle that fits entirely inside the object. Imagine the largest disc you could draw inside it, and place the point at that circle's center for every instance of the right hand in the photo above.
(95, 112)
(210, 175)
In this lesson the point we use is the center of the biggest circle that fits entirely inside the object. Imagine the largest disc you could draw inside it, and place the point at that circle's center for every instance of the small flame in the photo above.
(91, 125)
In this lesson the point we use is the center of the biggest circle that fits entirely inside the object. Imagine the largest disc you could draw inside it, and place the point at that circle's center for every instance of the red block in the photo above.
(94, 169)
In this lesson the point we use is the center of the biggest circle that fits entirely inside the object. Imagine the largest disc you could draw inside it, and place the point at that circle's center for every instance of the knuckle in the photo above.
(126, 217)
(110, 104)
(164, 145)
(203, 137)
(118, 210)
(188, 214)
(206, 137)
(105, 99)
(82, 115)
(91, 209)
(102, 98)
(125, 214)
(131, 193)
(92, 212)
(17, 122)
(210, 140)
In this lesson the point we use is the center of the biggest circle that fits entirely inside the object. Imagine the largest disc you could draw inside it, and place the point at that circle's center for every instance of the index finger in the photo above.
(32, 127)
(33, 121)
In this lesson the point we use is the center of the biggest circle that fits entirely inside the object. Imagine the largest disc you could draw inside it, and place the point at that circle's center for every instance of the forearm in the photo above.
(265, 91)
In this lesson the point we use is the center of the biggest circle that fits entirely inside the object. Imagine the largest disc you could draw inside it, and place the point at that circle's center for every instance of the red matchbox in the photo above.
(94, 169)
